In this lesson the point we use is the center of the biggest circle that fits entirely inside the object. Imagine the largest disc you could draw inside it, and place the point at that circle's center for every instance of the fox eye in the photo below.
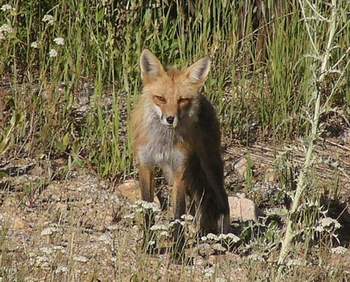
(160, 99)
(184, 101)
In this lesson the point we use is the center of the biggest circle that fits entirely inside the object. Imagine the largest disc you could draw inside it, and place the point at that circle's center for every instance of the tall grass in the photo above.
(259, 77)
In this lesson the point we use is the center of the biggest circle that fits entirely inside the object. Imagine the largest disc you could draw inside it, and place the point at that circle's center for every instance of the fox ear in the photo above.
(198, 72)
(150, 65)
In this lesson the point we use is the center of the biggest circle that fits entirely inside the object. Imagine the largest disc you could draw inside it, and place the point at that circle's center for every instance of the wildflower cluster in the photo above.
(142, 206)
(4, 30)
(328, 226)
(221, 242)
(48, 19)
(59, 41)
(7, 7)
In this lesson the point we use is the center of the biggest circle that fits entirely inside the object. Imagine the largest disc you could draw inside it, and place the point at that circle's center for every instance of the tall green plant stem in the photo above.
(289, 235)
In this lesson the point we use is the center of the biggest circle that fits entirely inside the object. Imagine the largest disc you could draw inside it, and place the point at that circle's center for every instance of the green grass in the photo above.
(260, 69)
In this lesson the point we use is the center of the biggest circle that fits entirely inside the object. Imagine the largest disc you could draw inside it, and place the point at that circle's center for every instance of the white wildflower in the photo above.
(256, 257)
(34, 44)
(53, 53)
(187, 217)
(156, 227)
(339, 250)
(212, 236)
(139, 210)
(204, 238)
(328, 221)
(48, 19)
(219, 247)
(2, 37)
(6, 7)
(294, 262)
(232, 237)
(176, 221)
(229, 237)
(6, 28)
(59, 41)
(129, 216)
(151, 243)
(148, 206)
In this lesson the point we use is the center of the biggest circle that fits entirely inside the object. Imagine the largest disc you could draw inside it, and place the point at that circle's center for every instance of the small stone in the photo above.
(81, 259)
(241, 167)
(61, 269)
(106, 238)
(130, 190)
(46, 250)
(19, 224)
(242, 209)
(59, 248)
(37, 171)
(113, 227)
(48, 231)
(220, 279)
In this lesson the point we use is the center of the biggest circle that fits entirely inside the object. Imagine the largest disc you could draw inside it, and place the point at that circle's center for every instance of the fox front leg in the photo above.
(147, 194)
(179, 208)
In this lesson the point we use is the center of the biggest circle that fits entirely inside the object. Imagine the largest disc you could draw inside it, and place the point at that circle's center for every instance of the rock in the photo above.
(221, 279)
(61, 269)
(241, 167)
(19, 224)
(113, 227)
(130, 190)
(37, 171)
(48, 231)
(242, 209)
(106, 238)
(46, 250)
(81, 259)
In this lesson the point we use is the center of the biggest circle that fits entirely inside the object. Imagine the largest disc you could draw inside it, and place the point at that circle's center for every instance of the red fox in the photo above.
(174, 127)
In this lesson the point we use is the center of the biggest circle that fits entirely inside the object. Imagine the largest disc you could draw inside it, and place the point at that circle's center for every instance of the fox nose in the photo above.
(170, 119)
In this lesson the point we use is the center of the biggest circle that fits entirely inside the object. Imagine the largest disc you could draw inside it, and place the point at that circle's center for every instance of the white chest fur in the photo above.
(161, 151)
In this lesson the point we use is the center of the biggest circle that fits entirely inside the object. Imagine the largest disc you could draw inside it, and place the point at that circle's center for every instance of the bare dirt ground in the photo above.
(63, 225)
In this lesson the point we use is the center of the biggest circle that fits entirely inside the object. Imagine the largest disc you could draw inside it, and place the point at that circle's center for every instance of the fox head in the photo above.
(173, 95)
